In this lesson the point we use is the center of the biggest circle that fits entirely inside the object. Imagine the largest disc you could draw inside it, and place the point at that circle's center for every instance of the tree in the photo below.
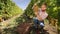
(8, 9)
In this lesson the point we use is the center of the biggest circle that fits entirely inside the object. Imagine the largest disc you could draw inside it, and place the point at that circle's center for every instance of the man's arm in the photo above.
(35, 7)
(38, 16)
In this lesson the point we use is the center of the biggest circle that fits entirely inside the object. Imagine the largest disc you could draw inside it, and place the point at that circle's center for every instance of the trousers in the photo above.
(37, 22)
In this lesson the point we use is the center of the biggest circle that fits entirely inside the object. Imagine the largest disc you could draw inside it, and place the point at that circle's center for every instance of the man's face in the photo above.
(43, 7)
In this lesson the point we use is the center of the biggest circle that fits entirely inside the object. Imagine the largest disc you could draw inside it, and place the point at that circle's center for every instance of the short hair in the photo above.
(44, 4)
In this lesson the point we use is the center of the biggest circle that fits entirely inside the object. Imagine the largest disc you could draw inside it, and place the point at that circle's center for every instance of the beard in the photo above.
(43, 10)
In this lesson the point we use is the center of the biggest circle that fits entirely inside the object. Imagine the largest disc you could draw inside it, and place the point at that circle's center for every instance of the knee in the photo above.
(42, 24)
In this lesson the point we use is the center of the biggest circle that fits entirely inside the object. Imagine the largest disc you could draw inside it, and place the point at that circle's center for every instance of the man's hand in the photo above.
(34, 6)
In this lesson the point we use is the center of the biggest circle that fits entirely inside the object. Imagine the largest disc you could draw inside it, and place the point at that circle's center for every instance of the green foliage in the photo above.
(23, 19)
(58, 6)
(9, 26)
(8, 9)
(52, 8)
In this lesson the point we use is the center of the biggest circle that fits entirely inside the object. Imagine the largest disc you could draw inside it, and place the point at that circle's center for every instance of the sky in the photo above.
(22, 3)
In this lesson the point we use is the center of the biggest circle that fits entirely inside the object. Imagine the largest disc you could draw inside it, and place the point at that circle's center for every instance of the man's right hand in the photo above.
(34, 6)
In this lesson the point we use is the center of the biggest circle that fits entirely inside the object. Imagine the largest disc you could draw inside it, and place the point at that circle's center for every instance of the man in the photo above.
(40, 14)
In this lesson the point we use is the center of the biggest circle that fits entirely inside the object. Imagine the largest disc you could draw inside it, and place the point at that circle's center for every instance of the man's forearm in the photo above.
(38, 16)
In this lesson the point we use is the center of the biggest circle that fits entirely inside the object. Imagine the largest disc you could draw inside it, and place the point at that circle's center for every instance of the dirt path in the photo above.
(50, 29)
(10, 19)
(7, 22)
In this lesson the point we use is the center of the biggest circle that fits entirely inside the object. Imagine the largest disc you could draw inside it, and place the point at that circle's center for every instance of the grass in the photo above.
(9, 26)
